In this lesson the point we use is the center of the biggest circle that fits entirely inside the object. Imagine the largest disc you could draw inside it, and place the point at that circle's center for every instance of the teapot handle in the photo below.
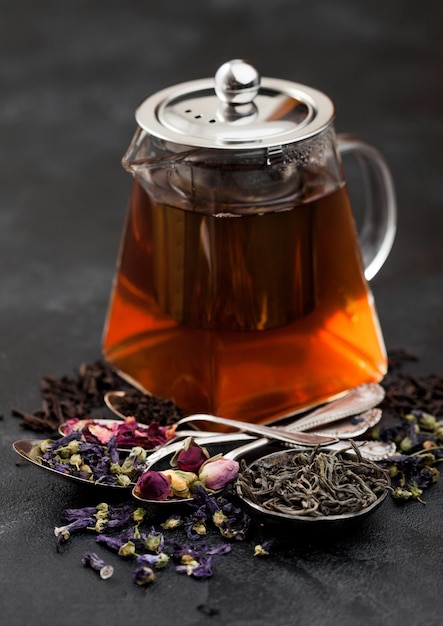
(377, 232)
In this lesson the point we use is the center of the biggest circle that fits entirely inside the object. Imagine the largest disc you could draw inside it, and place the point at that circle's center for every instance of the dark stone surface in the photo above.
(71, 76)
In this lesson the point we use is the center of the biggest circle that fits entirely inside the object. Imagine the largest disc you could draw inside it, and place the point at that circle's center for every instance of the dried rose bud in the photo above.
(218, 472)
(181, 482)
(191, 457)
(153, 486)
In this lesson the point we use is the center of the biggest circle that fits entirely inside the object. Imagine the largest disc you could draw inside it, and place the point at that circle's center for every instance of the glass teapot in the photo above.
(241, 286)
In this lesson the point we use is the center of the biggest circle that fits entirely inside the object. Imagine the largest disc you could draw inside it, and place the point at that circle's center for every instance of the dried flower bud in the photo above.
(153, 486)
(74, 446)
(219, 517)
(410, 417)
(138, 515)
(76, 460)
(406, 444)
(157, 561)
(46, 445)
(123, 480)
(92, 560)
(127, 549)
(172, 522)
(199, 527)
(217, 472)
(154, 541)
(428, 421)
(191, 457)
(143, 575)
(260, 551)
(181, 482)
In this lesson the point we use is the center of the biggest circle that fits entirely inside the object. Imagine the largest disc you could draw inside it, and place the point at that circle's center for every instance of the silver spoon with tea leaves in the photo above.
(262, 483)
(358, 403)
(365, 451)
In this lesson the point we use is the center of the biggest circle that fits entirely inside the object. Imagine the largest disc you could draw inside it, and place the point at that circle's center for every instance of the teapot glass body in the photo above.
(240, 287)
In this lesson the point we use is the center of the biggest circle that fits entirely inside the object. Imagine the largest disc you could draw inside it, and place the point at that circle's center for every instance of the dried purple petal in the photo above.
(112, 449)
(221, 548)
(201, 498)
(181, 551)
(201, 568)
(74, 514)
(118, 516)
(231, 520)
(63, 533)
(157, 561)
(92, 560)
(113, 543)
(194, 524)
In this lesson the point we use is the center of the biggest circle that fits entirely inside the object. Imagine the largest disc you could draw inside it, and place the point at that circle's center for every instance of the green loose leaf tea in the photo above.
(313, 483)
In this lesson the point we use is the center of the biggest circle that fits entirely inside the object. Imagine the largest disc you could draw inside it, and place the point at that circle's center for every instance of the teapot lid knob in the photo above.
(235, 110)
(237, 82)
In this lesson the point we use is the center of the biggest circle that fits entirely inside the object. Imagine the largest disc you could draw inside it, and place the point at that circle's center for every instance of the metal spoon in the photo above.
(182, 434)
(113, 400)
(354, 402)
(371, 450)
(159, 454)
(279, 434)
(268, 461)
(353, 426)
(23, 448)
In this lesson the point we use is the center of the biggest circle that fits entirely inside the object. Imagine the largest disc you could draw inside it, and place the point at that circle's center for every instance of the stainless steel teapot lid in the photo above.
(236, 110)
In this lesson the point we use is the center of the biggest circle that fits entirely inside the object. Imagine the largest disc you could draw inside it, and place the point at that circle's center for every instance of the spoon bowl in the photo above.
(23, 448)
(349, 428)
(168, 451)
(370, 450)
(272, 512)
(114, 400)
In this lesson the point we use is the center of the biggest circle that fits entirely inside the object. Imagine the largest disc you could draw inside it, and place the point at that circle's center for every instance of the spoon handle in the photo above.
(356, 401)
(369, 449)
(279, 434)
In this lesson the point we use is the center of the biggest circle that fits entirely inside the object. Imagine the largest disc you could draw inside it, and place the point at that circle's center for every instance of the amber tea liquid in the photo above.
(248, 317)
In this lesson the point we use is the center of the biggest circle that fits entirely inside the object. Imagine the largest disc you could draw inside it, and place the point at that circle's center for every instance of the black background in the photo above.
(71, 77)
